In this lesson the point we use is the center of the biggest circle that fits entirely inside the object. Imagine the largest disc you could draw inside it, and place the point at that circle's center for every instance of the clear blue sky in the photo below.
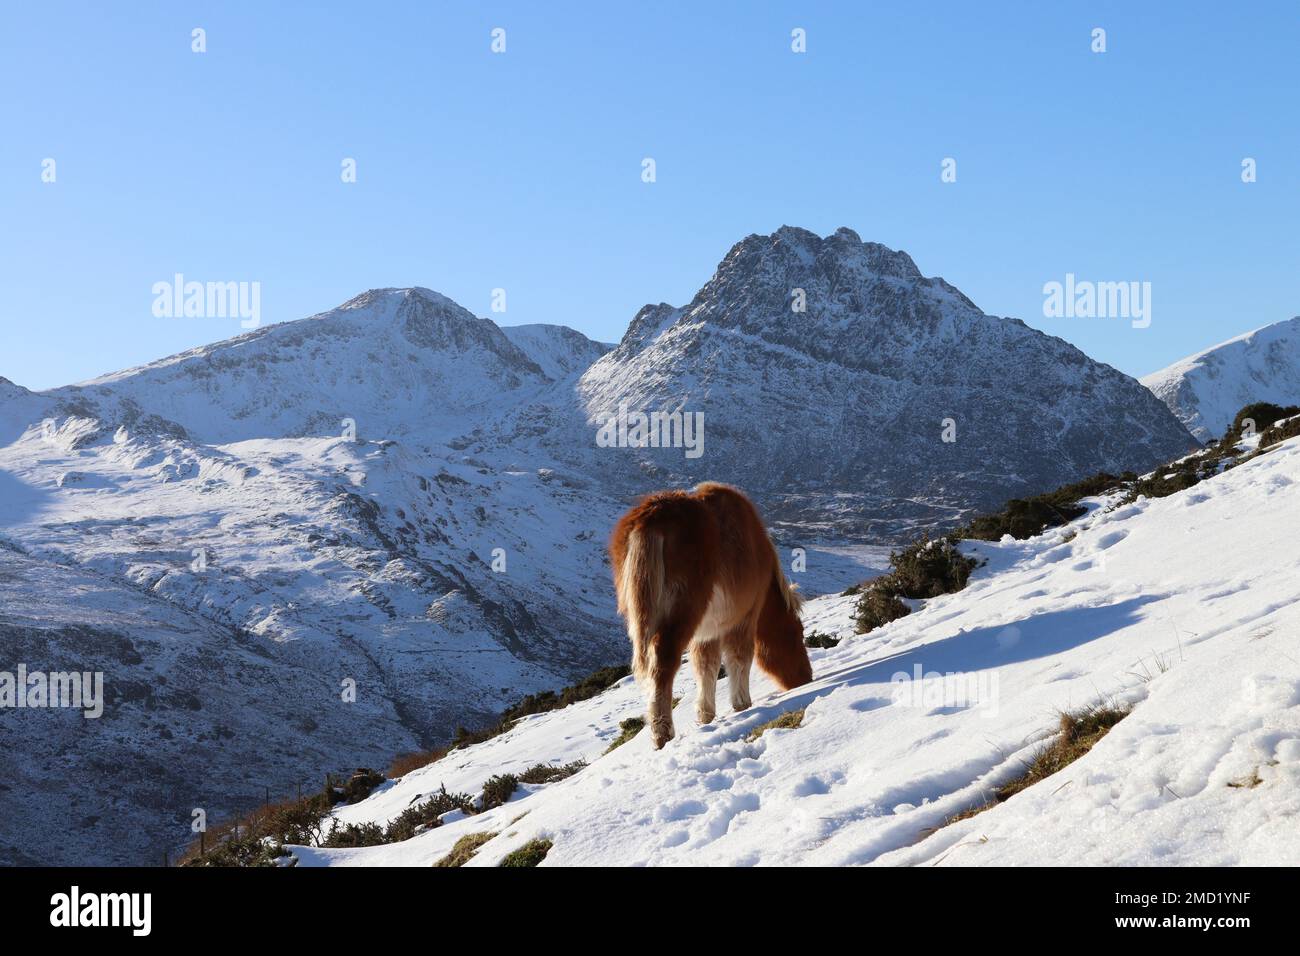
(522, 170)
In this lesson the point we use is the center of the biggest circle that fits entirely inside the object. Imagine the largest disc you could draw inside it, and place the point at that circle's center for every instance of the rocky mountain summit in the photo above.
(842, 385)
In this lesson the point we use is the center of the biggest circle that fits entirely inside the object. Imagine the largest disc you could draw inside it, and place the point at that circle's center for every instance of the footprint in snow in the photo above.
(869, 703)
(947, 711)
(733, 806)
(1067, 675)
(1110, 539)
(717, 781)
(679, 811)
(675, 838)
(813, 785)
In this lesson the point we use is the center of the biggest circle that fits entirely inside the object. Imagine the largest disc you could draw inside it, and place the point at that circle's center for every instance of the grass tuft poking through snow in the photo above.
(629, 728)
(790, 720)
(1248, 782)
(1079, 733)
(464, 849)
(530, 854)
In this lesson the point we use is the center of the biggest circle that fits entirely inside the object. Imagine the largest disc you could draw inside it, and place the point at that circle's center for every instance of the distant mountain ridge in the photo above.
(1207, 389)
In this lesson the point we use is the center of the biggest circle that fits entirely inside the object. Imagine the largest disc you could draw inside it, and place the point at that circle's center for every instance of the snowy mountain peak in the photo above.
(396, 362)
(804, 291)
(1207, 389)
(372, 297)
(824, 362)
(766, 270)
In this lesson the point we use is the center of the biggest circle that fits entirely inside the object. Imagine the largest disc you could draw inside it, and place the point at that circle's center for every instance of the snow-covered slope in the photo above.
(196, 714)
(1185, 608)
(558, 349)
(1207, 389)
(839, 410)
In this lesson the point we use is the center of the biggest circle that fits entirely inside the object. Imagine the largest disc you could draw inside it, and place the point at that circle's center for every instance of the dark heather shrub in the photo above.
(1026, 517)
(588, 687)
(817, 639)
(1170, 479)
(361, 784)
(426, 814)
(1262, 414)
(546, 773)
(244, 841)
(298, 821)
(585, 689)
(498, 789)
(929, 568)
(878, 605)
(246, 851)
(1276, 433)
(354, 834)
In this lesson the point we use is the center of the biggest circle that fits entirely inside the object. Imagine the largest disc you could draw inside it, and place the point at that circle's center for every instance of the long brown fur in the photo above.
(696, 571)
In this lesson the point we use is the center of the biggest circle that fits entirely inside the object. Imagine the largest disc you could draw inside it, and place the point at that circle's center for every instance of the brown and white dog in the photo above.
(696, 571)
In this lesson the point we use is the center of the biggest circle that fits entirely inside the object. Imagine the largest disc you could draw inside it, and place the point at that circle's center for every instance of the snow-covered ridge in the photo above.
(1205, 770)
(400, 363)
(1207, 389)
